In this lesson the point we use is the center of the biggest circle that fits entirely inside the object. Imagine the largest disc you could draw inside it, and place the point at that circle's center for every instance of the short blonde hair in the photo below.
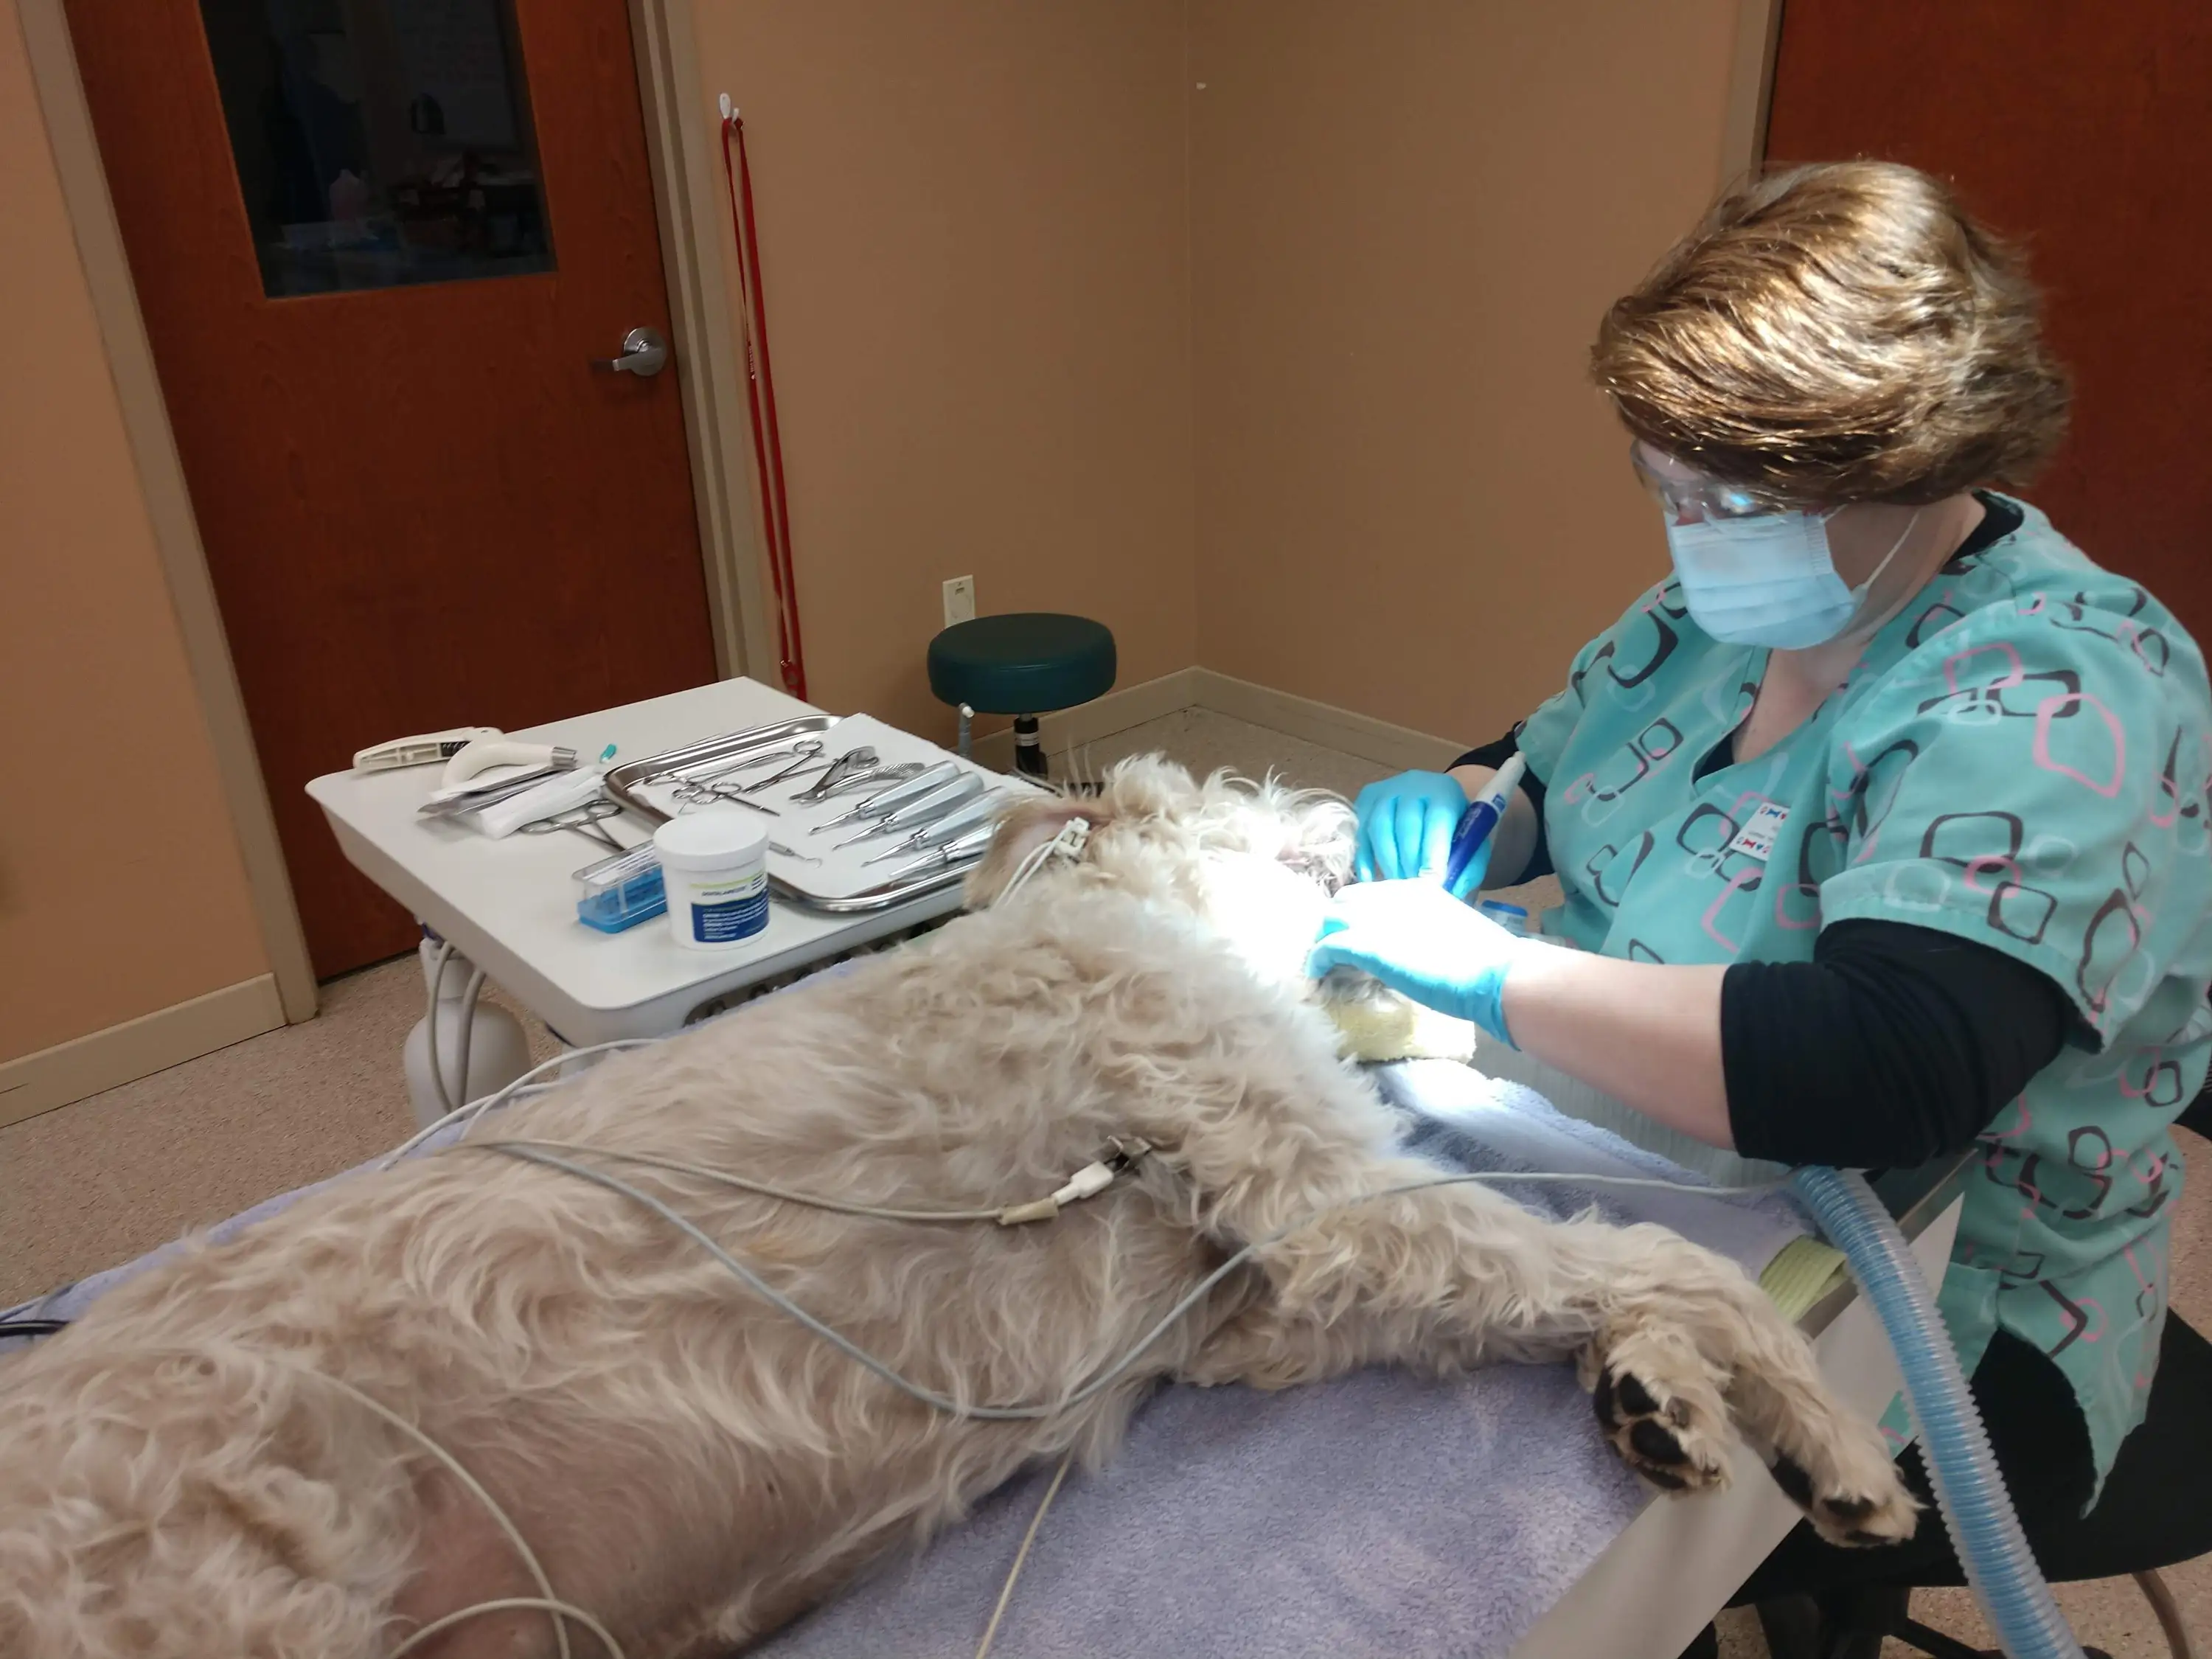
(1839, 333)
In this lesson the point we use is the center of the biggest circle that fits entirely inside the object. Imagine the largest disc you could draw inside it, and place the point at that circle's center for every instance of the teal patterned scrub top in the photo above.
(2021, 758)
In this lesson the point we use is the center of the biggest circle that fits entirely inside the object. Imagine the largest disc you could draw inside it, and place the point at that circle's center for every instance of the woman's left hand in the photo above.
(1422, 942)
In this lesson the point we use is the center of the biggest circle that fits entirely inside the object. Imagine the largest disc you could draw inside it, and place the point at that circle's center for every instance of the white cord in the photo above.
(507, 1604)
(476, 1108)
(1103, 1380)
(439, 959)
(1021, 1555)
(561, 1611)
(469, 992)
(1073, 837)
(1087, 1182)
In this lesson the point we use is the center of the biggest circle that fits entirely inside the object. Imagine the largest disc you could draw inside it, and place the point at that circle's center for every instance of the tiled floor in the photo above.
(102, 1181)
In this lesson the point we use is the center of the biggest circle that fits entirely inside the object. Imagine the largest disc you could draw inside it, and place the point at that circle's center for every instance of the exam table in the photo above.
(1380, 1513)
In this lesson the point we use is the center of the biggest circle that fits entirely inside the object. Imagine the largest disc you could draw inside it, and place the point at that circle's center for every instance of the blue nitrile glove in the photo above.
(1423, 943)
(1405, 826)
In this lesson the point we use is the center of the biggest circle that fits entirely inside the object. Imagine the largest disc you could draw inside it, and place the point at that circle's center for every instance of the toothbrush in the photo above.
(1481, 817)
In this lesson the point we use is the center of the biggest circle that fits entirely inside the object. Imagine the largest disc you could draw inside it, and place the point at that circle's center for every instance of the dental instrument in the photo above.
(560, 794)
(699, 794)
(978, 814)
(889, 801)
(421, 751)
(873, 778)
(1481, 817)
(925, 809)
(484, 753)
(972, 845)
(452, 803)
(806, 763)
(847, 765)
(583, 820)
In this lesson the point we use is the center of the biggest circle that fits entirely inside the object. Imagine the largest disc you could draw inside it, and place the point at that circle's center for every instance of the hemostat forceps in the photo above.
(890, 800)
(584, 820)
(809, 753)
(976, 815)
(925, 809)
(874, 777)
(959, 851)
(842, 770)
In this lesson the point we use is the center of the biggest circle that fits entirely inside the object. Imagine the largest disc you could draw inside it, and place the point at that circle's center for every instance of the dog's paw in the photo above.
(1849, 1488)
(1664, 1421)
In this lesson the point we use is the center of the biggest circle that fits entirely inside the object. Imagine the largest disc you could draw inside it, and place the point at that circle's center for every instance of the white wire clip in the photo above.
(729, 108)
(1090, 1180)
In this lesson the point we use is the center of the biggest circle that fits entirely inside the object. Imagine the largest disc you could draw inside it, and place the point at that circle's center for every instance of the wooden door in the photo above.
(2085, 128)
(377, 244)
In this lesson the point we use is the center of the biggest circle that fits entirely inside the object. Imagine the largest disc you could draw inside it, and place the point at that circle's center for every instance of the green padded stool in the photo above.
(1031, 663)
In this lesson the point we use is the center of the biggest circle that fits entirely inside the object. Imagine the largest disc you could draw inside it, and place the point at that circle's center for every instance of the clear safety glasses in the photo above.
(1688, 496)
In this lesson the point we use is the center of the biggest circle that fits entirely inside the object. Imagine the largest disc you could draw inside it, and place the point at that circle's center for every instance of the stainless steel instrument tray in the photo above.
(623, 784)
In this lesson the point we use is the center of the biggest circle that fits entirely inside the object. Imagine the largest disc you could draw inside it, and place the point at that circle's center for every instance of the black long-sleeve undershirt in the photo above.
(1894, 1044)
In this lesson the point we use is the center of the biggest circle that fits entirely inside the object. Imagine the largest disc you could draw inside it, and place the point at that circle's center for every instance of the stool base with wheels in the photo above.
(1027, 664)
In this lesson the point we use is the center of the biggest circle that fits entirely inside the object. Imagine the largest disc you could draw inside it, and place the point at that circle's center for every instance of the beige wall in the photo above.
(121, 887)
(975, 252)
(1407, 218)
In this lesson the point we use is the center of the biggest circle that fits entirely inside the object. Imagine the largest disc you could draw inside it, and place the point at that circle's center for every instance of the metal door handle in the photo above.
(644, 354)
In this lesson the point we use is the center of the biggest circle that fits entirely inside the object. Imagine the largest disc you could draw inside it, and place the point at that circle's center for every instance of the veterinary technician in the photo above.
(1882, 822)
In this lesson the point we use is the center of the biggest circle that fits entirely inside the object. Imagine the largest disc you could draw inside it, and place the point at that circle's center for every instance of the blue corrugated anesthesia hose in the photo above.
(1984, 1531)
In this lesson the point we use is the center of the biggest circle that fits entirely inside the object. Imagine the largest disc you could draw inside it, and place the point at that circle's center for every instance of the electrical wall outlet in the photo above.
(959, 601)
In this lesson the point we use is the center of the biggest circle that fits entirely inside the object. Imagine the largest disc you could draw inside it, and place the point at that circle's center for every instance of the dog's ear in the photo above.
(1026, 825)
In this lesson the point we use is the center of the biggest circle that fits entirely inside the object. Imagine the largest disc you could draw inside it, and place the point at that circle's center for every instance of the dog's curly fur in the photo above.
(178, 1477)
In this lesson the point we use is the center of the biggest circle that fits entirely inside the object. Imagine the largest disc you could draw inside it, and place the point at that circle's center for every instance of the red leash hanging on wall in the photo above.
(760, 393)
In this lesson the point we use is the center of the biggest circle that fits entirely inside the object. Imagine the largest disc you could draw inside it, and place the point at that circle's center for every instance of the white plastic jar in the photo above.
(715, 866)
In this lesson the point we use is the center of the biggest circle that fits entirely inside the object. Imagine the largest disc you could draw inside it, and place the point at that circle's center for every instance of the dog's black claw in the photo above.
(1667, 1478)
(1791, 1476)
(1847, 1509)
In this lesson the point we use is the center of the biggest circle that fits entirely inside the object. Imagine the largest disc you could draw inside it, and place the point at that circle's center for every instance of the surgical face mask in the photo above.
(1768, 578)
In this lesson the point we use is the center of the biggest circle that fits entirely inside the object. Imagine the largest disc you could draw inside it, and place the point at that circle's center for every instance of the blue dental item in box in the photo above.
(621, 891)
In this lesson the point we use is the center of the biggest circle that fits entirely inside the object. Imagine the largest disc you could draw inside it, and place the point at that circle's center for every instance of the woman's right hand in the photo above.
(1405, 826)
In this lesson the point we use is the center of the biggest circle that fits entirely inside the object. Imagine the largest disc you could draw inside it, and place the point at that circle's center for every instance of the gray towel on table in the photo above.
(1378, 1514)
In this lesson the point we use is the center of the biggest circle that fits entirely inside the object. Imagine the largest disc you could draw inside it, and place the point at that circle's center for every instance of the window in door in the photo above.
(380, 142)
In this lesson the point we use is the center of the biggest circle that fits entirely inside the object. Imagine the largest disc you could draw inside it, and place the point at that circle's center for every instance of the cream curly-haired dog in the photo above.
(181, 1474)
